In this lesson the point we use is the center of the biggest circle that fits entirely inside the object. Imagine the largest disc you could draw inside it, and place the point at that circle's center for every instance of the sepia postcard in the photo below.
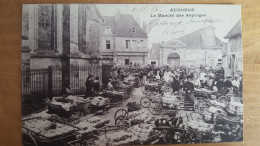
(131, 74)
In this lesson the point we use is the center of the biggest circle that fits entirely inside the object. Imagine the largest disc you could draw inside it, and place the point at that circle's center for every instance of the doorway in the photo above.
(127, 61)
(173, 59)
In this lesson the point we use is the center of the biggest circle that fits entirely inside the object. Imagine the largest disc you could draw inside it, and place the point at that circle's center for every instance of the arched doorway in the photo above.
(173, 59)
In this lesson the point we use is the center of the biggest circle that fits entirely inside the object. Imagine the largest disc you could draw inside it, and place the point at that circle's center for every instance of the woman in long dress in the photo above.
(89, 86)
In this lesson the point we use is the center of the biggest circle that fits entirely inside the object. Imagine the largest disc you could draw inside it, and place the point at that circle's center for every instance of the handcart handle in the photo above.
(31, 118)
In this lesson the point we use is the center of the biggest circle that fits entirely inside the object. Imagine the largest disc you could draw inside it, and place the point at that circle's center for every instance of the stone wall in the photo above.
(43, 63)
(121, 44)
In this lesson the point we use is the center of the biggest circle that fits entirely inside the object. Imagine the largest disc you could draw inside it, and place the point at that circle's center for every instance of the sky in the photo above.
(162, 29)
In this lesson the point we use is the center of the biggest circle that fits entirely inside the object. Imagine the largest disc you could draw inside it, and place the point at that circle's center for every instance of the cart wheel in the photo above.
(155, 107)
(120, 112)
(122, 123)
(145, 102)
(28, 140)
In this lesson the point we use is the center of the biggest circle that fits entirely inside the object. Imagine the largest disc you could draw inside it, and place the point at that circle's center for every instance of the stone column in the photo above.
(74, 28)
(32, 27)
(59, 27)
(66, 47)
(82, 27)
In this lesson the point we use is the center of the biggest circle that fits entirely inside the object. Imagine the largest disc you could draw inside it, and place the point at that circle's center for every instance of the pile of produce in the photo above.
(77, 99)
(211, 113)
(100, 101)
(151, 87)
(47, 128)
(93, 121)
(200, 126)
(169, 100)
(140, 115)
(144, 132)
(235, 108)
(133, 106)
(113, 93)
(117, 138)
(65, 103)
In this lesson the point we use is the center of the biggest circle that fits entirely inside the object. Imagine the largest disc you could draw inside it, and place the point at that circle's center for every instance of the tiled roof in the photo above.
(195, 38)
(124, 24)
(173, 43)
(236, 30)
(110, 21)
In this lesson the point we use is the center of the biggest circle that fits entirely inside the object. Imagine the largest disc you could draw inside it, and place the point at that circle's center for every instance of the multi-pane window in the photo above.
(107, 44)
(127, 43)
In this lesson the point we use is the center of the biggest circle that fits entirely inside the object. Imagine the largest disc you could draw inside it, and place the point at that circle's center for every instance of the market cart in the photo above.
(125, 117)
(70, 106)
(116, 97)
(156, 103)
(42, 131)
(54, 131)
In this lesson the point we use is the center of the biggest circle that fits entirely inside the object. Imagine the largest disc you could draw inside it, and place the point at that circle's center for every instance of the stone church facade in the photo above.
(60, 35)
(200, 47)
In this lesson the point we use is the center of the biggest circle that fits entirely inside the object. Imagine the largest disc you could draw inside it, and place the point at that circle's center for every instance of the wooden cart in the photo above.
(55, 132)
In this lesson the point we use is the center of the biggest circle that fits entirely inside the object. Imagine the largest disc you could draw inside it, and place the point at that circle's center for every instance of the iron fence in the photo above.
(44, 82)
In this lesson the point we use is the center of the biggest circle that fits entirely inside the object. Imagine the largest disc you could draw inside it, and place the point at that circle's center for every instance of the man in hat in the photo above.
(167, 132)
(228, 84)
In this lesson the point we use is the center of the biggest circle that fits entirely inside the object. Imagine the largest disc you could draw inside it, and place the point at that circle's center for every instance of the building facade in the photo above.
(123, 40)
(233, 57)
(60, 35)
(200, 47)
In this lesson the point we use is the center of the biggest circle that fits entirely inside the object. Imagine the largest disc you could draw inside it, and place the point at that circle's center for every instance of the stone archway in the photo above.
(173, 59)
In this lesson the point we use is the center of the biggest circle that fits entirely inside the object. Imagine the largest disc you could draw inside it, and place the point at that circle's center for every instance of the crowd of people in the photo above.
(182, 79)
